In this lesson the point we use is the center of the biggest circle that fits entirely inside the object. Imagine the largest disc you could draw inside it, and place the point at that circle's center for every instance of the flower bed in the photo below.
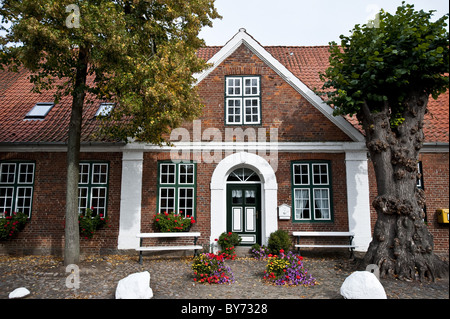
(210, 268)
(173, 222)
(287, 269)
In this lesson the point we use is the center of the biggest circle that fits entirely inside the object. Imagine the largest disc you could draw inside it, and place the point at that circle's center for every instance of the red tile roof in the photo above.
(306, 63)
(16, 100)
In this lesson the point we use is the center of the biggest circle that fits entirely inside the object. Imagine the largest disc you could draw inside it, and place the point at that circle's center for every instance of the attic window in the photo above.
(104, 109)
(39, 111)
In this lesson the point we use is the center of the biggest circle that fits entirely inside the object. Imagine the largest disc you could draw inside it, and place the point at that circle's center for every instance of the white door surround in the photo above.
(269, 186)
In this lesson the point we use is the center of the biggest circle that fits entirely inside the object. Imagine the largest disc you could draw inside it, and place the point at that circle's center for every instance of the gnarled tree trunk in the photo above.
(402, 244)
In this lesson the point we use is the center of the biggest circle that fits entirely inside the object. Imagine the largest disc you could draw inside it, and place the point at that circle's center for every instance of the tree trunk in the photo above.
(402, 245)
(72, 234)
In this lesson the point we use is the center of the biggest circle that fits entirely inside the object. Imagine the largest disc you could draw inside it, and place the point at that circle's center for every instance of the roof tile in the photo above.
(17, 99)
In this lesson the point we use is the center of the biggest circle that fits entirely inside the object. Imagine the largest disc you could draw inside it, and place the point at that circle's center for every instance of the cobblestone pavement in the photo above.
(171, 278)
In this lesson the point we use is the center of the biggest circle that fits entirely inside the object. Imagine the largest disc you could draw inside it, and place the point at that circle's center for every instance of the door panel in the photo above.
(243, 207)
(250, 219)
(237, 219)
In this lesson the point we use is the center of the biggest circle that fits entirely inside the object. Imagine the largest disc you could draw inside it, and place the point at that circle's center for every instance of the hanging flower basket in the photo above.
(173, 222)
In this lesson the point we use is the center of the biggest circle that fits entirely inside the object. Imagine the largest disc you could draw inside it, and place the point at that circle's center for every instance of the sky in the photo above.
(301, 22)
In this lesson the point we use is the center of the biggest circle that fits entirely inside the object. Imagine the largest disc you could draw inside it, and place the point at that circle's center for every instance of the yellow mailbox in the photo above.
(442, 216)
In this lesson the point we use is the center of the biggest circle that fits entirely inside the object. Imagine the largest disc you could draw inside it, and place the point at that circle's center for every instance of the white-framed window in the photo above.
(242, 100)
(93, 187)
(104, 109)
(177, 188)
(16, 187)
(39, 111)
(311, 191)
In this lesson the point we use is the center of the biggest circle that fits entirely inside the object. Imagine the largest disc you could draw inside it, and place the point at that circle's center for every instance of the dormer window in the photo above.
(39, 111)
(242, 100)
(104, 109)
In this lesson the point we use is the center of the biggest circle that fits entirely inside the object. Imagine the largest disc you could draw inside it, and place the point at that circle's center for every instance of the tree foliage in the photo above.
(384, 74)
(385, 62)
(140, 54)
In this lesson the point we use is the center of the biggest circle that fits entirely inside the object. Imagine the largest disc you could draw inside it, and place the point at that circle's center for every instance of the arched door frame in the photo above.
(269, 186)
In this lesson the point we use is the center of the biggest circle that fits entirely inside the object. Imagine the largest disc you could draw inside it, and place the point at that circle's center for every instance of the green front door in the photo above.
(244, 212)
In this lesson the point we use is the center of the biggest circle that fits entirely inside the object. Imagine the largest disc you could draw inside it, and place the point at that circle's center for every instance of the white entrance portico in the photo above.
(269, 187)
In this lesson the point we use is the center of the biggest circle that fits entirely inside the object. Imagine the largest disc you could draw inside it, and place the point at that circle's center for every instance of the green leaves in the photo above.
(141, 55)
(381, 66)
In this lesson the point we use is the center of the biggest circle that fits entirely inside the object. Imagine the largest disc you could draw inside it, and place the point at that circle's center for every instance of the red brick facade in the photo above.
(282, 107)
(44, 232)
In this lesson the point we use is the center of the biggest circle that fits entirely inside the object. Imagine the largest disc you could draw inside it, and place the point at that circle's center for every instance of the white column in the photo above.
(130, 199)
(358, 199)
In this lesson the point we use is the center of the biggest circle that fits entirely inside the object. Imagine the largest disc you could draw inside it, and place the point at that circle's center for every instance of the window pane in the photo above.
(6, 199)
(98, 200)
(186, 174)
(250, 197)
(251, 110)
(99, 173)
(251, 86)
(166, 200)
(321, 204)
(301, 174)
(236, 197)
(26, 173)
(167, 173)
(301, 202)
(234, 110)
(186, 201)
(84, 174)
(7, 173)
(320, 174)
(24, 196)
(82, 199)
(233, 86)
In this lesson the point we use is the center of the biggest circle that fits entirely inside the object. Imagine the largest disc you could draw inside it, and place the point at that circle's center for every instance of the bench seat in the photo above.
(299, 234)
(142, 248)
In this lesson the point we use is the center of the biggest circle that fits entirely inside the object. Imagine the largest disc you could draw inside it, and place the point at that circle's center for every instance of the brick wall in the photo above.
(44, 233)
(282, 106)
(283, 175)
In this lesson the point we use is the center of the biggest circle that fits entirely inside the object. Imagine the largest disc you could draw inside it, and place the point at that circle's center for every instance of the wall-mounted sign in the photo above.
(284, 211)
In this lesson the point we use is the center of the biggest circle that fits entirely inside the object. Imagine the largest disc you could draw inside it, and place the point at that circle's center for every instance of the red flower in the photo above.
(281, 251)
(157, 219)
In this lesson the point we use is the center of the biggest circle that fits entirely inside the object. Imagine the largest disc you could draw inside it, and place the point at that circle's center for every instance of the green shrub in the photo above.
(278, 240)
(228, 242)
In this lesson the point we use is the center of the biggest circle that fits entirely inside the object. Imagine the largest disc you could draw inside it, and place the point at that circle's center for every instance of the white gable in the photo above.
(242, 37)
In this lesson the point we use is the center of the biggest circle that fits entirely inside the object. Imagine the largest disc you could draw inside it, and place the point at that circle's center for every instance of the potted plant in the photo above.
(173, 222)
(88, 223)
(12, 224)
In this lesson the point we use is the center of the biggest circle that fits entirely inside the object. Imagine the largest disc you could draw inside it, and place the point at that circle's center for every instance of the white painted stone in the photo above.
(362, 285)
(135, 286)
(19, 293)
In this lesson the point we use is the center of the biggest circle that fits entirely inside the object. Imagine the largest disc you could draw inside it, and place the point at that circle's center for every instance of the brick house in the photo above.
(264, 140)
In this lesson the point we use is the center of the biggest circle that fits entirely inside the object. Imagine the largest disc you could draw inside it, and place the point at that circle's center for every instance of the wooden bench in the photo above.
(350, 235)
(141, 248)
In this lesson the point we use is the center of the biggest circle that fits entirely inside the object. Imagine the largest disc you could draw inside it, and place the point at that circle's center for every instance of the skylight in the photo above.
(39, 111)
(104, 109)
